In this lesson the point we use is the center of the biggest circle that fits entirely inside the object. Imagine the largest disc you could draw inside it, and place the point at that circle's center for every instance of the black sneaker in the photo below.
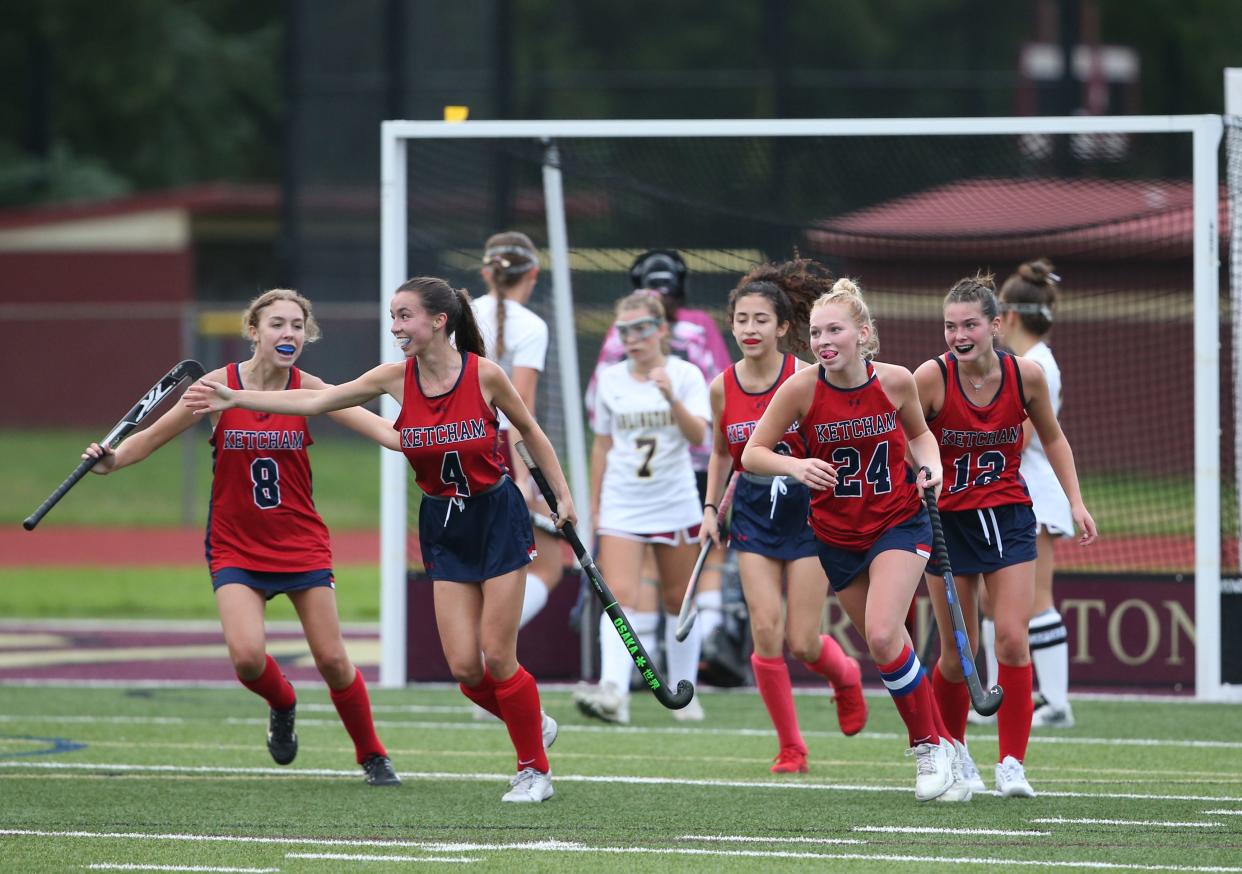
(379, 772)
(282, 740)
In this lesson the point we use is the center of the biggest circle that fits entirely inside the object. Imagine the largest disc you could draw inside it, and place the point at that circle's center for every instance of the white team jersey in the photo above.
(1047, 497)
(649, 482)
(526, 338)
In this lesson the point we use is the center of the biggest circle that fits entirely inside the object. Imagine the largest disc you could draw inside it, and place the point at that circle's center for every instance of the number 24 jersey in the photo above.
(649, 482)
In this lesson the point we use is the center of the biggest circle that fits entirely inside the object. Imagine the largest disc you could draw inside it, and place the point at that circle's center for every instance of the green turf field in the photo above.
(172, 592)
(110, 777)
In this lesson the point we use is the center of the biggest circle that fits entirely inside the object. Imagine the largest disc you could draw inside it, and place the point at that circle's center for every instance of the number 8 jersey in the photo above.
(649, 484)
(262, 515)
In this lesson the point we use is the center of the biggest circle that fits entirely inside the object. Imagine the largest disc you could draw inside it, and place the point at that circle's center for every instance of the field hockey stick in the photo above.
(646, 669)
(148, 402)
(686, 615)
(985, 703)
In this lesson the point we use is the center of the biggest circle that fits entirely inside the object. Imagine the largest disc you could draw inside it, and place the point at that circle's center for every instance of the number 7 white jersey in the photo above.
(649, 484)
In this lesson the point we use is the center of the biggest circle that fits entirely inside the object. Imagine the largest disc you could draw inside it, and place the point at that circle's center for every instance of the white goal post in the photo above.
(397, 136)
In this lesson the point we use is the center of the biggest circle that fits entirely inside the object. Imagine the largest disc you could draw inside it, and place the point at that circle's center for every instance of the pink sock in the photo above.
(772, 678)
(834, 665)
(353, 704)
(953, 700)
(1013, 720)
(484, 694)
(518, 697)
(272, 686)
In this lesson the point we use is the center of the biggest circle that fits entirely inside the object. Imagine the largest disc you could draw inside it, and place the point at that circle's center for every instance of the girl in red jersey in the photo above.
(975, 399)
(857, 418)
(769, 527)
(473, 524)
(264, 535)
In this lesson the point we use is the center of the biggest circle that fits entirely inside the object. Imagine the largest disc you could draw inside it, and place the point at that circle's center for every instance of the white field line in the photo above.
(930, 830)
(617, 729)
(1058, 820)
(375, 844)
(749, 839)
(569, 847)
(1224, 812)
(134, 866)
(349, 857)
(291, 773)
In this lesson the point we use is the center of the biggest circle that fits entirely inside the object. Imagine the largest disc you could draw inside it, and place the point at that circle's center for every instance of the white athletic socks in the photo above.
(1050, 653)
(989, 652)
(682, 657)
(616, 664)
(535, 598)
(710, 614)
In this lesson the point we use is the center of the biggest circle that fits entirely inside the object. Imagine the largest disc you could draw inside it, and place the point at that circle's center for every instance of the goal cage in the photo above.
(1129, 209)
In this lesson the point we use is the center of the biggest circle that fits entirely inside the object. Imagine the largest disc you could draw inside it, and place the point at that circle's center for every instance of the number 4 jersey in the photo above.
(262, 515)
(649, 482)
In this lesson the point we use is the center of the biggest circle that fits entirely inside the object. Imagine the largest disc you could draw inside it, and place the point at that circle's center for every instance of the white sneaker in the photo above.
(550, 731)
(960, 789)
(976, 719)
(481, 714)
(692, 712)
(933, 770)
(1011, 780)
(1047, 716)
(529, 786)
(970, 773)
(605, 702)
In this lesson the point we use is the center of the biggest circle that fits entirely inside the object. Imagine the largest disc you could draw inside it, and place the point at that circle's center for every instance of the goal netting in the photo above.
(907, 211)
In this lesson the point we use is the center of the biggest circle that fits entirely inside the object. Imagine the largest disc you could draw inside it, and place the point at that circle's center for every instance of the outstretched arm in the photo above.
(359, 419)
(786, 407)
(209, 396)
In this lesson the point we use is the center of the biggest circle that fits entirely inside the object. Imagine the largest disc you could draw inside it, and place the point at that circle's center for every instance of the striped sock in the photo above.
(1050, 654)
(902, 677)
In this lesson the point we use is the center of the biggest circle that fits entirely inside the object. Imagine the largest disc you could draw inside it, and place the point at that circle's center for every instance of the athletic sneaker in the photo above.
(550, 731)
(1011, 780)
(379, 772)
(790, 760)
(1047, 716)
(604, 702)
(282, 740)
(529, 786)
(960, 789)
(851, 707)
(482, 714)
(978, 719)
(933, 770)
(970, 773)
(692, 712)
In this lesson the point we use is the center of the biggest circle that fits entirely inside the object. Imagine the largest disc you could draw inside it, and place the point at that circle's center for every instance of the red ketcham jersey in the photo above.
(451, 440)
(262, 515)
(743, 409)
(981, 446)
(859, 433)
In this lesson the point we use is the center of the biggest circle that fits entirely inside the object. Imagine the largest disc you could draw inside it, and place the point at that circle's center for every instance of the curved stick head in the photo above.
(991, 702)
(678, 699)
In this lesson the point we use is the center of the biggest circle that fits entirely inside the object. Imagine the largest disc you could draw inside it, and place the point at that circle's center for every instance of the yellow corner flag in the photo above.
(456, 113)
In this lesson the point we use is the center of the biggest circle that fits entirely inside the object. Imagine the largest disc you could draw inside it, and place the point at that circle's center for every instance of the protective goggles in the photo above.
(639, 329)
